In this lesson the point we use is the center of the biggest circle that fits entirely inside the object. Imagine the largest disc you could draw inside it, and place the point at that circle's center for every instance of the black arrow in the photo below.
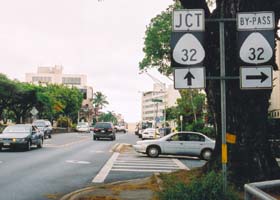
(189, 76)
(262, 77)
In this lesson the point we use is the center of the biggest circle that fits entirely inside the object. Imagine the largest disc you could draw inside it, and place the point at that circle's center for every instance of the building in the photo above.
(54, 75)
(274, 108)
(156, 101)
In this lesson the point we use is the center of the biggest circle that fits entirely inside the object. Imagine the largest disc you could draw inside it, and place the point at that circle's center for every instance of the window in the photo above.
(42, 79)
(71, 80)
(194, 137)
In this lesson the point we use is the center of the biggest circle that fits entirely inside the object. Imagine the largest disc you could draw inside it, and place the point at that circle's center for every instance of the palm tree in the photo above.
(98, 101)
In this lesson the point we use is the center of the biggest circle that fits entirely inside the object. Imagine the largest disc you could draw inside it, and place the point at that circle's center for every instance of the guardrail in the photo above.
(256, 190)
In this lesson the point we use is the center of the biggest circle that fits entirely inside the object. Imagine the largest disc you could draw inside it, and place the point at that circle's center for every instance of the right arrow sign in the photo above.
(256, 77)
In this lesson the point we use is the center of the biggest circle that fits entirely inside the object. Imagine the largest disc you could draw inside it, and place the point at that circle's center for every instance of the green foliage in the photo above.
(64, 122)
(208, 187)
(99, 101)
(108, 117)
(157, 42)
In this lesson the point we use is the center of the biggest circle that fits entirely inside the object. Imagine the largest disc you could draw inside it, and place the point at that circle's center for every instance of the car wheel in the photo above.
(28, 146)
(40, 145)
(1, 148)
(94, 138)
(50, 136)
(153, 151)
(206, 154)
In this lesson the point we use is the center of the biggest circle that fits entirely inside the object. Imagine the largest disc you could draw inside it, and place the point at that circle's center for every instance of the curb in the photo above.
(72, 195)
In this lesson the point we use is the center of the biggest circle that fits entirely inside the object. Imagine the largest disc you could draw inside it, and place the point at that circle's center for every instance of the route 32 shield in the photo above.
(187, 49)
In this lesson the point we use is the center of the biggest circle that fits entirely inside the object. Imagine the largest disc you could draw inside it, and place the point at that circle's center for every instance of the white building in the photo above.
(54, 75)
(155, 102)
(274, 108)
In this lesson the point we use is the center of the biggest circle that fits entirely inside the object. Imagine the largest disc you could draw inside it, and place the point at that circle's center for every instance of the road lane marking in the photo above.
(65, 145)
(78, 162)
(141, 170)
(180, 164)
(103, 173)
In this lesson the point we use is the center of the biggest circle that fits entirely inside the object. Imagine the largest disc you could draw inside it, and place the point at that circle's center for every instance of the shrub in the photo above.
(64, 122)
(208, 187)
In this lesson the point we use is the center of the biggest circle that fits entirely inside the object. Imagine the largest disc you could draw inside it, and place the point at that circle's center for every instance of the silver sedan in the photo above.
(181, 143)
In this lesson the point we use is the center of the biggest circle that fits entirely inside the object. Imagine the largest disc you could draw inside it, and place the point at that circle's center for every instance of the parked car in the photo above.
(83, 127)
(120, 128)
(150, 133)
(21, 135)
(45, 126)
(180, 143)
(104, 130)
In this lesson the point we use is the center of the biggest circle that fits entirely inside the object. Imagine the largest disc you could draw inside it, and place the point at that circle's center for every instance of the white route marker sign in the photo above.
(188, 20)
(256, 77)
(255, 21)
(190, 77)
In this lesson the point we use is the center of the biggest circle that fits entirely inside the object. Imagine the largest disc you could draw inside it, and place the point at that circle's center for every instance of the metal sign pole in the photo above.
(223, 101)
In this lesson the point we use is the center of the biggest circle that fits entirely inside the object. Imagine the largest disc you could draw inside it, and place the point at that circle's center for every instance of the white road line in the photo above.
(146, 164)
(78, 162)
(146, 167)
(180, 164)
(103, 173)
(140, 170)
(150, 161)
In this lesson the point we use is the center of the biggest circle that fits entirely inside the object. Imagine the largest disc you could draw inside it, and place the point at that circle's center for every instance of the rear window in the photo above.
(103, 125)
(39, 123)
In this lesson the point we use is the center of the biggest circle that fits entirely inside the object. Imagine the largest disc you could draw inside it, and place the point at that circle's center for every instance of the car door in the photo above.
(193, 143)
(174, 145)
(35, 136)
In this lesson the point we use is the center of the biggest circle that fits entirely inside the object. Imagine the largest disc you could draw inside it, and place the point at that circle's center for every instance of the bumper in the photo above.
(140, 148)
(104, 135)
(12, 144)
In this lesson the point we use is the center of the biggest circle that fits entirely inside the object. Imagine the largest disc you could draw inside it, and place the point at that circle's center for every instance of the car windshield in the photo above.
(102, 125)
(82, 124)
(17, 129)
(39, 123)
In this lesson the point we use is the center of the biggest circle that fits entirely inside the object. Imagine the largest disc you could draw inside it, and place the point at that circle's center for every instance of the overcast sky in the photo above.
(102, 39)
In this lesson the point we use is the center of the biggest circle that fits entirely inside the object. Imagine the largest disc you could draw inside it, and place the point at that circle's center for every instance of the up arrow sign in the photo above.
(189, 76)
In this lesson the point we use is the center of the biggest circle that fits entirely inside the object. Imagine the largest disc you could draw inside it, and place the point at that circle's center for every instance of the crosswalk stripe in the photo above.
(146, 167)
(145, 164)
(141, 170)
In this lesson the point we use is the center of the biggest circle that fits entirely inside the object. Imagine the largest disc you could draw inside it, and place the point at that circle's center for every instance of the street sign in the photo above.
(34, 111)
(256, 77)
(256, 39)
(190, 77)
(188, 20)
(253, 52)
(187, 38)
(255, 21)
(188, 50)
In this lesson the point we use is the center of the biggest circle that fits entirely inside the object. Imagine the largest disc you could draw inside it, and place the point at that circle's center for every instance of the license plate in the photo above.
(6, 144)
(102, 131)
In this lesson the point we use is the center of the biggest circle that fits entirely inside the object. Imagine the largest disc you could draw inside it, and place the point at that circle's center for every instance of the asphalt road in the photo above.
(68, 162)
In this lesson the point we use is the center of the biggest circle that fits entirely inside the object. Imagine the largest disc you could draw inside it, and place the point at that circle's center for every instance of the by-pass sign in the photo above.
(255, 21)
(256, 37)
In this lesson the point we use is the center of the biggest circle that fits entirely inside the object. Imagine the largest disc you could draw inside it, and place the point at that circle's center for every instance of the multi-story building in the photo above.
(54, 75)
(155, 102)
(274, 108)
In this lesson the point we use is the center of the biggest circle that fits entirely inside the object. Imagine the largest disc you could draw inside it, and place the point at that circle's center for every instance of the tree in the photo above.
(246, 110)
(99, 101)
(108, 117)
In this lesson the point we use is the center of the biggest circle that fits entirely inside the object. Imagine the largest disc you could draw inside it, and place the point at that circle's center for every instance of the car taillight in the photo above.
(110, 129)
(96, 129)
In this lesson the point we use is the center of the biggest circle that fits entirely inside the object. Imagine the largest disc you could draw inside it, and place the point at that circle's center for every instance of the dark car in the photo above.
(104, 130)
(45, 126)
(21, 135)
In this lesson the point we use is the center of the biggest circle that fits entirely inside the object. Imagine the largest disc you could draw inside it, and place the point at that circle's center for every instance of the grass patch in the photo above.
(194, 185)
